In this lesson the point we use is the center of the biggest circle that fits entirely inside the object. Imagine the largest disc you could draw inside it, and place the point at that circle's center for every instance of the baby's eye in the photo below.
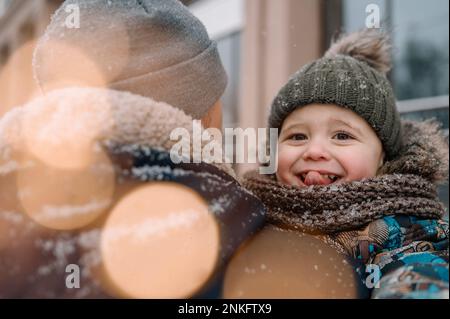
(343, 136)
(298, 137)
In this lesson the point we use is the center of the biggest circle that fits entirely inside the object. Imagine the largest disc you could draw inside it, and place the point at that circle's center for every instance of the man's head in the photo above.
(154, 48)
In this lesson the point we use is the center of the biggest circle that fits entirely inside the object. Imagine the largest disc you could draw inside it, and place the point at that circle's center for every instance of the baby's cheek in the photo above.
(358, 167)
(286, 159)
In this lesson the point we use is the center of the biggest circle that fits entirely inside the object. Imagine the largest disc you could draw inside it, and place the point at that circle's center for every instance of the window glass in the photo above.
(420, 37)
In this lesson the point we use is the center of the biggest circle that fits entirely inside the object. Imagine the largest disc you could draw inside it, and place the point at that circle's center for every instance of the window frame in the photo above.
(424, 104)
(231, 13)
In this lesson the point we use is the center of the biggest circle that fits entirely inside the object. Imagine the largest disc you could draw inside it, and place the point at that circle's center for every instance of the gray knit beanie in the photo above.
(154, 48)
(352, 74)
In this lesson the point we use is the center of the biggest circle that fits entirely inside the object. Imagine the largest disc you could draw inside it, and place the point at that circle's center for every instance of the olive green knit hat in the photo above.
(352, 74)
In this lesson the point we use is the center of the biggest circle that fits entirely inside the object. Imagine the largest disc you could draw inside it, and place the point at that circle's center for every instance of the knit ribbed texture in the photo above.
(347, 82)
(345, 206)
(153, 48)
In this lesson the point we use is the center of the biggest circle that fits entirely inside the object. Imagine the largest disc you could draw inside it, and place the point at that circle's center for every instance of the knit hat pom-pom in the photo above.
(368, 45)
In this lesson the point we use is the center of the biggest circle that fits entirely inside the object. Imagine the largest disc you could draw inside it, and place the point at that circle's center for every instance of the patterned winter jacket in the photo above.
(404, 256)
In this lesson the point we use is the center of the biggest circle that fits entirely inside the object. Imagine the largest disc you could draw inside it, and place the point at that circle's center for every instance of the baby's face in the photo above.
(324, 144)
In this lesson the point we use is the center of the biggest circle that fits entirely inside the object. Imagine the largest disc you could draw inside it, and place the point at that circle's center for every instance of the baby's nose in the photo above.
(316, 151)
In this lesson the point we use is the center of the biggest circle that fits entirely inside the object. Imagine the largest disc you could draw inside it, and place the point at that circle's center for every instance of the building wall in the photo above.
(279, 37)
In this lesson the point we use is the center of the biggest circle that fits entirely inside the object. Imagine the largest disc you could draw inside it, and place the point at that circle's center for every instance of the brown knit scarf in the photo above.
(406, 185)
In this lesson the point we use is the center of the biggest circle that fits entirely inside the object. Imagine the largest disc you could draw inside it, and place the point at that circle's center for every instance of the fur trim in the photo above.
(424, 153)
(79, 115)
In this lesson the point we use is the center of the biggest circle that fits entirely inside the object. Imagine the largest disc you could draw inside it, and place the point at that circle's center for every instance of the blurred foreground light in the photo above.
(84, 57)
(61, 65)
(63, 133)
(285, 264)
(17, 85)
(66, 199)
(160, 241)
(9, 201)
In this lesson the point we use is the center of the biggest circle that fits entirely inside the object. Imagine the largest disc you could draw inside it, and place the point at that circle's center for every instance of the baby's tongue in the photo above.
(315, 178)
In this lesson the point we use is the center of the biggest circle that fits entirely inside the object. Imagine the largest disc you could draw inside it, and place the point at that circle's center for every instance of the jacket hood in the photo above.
(424, 153)
(71, 118)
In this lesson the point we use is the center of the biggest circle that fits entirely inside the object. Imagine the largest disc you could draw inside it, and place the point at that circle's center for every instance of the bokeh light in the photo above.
(17, 85)
(70, 67)
(72, 58)
(160, 241)
(285, 264)
(61, 129)
(66, 199)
